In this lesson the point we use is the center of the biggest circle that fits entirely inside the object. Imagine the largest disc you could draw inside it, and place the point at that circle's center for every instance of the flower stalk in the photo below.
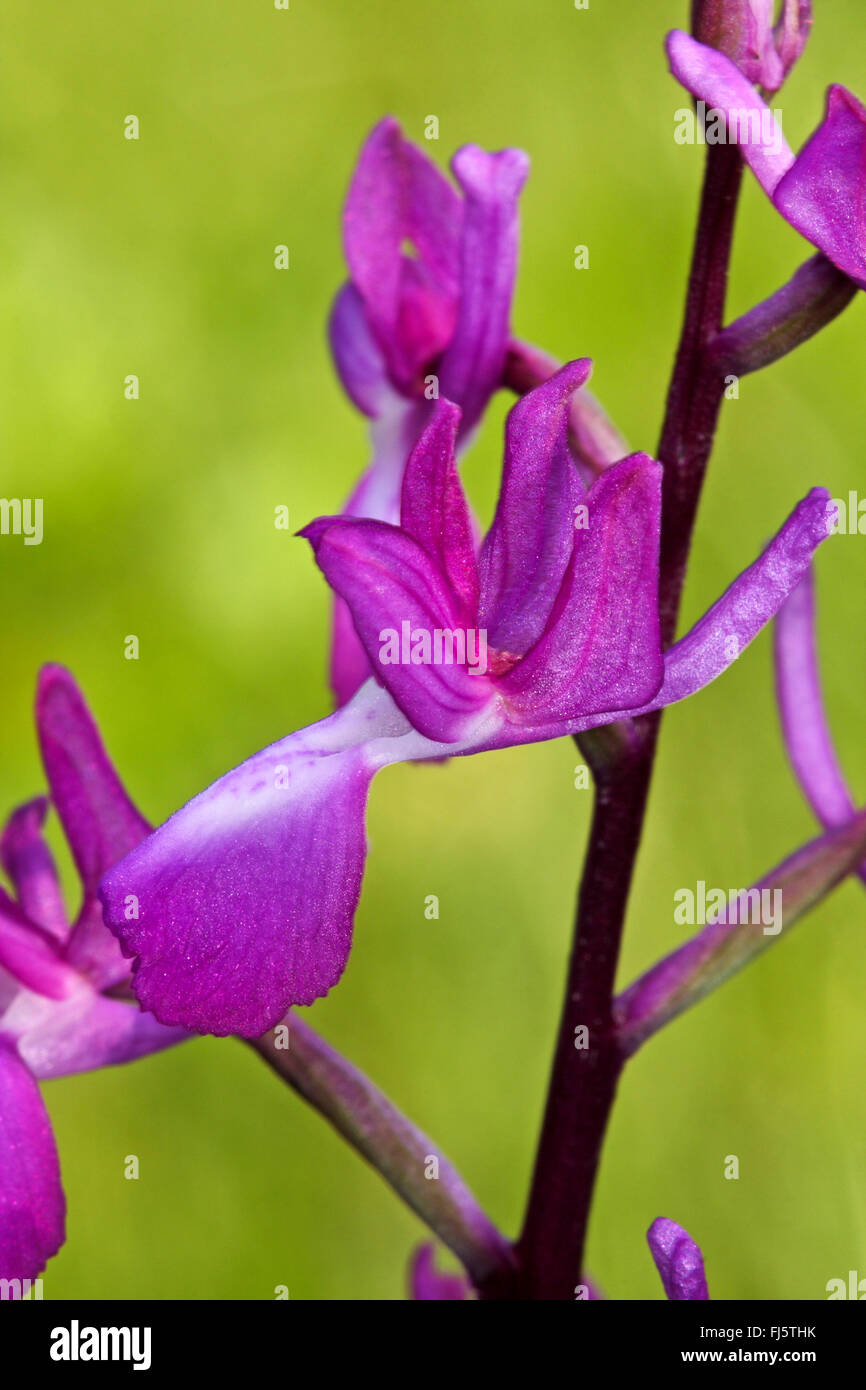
(814, 296)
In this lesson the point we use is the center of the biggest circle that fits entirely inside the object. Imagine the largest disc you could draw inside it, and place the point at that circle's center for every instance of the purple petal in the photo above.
(100, 821)
(528, 548)
(83, 1033)
(246, 896)
(742, 29)
(377, 495)
(426, 1283)
(31, 956)
(358, 357)
(32, 1208)
(28, 862)
(713, 78)
(761, 62)
(397, 195)
(823, 194)
(791, 33)
(434, 511)
(595, 441)
(602, 650)
(350, 667)
(678, 1260)
(399, 602)
(471, 367)
(801, 707)
(752, 600)
(714, 642)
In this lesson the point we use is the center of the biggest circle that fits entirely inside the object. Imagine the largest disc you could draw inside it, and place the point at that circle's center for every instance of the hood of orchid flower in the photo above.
(547, 629)
(432, 268)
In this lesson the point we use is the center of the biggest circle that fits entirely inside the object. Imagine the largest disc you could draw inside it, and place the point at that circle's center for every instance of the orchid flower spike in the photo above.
(246, 896)
(55, 1018)
(801, 709)
(425, 313)
(678, 1260)
(820, 191)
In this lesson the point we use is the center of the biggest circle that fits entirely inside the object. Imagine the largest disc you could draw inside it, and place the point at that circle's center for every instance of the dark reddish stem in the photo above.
(697, 384)
(583, 1080)
(584, 1077)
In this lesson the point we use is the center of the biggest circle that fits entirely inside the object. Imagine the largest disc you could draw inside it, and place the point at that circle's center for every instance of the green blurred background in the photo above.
(156, 258)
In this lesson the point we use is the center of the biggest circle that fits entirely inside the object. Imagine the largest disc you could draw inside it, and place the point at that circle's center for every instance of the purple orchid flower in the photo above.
(247, 895)
(431, 275)
(744, 30)
(820, 191)
(55, 1018)
(424, 314)
(801, 708)
(678, 1260)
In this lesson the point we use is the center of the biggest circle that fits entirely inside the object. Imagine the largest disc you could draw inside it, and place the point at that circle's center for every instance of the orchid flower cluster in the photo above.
(557, 622)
